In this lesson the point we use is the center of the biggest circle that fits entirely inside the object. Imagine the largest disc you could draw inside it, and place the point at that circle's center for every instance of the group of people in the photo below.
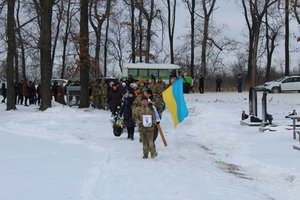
(25, 93)
(140, 104)
(218, 82)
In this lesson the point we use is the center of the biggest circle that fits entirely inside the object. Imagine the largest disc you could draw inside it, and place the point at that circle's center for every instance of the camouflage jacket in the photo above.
(139, 113)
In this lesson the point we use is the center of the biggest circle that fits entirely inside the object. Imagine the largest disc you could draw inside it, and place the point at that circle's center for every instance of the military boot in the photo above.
(153, 155)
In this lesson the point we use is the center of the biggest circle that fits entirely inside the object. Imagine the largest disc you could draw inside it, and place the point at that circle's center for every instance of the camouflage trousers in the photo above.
(97, 101)
(147, 141)
(102, 102)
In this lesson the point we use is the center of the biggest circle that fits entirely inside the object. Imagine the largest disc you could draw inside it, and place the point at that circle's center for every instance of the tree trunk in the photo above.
(254, 56)
(208, 10)
(84, 54)
(171, 27)
(57, 31)
(106, 47)
(133, 54)
(45, 51)
(193, 40)
(21, 43)
(11, 44)
(65, 39)
(287, 36)
(16, 65)
(141, 33)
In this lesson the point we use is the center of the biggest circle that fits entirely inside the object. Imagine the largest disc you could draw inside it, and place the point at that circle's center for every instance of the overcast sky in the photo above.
(230, 14)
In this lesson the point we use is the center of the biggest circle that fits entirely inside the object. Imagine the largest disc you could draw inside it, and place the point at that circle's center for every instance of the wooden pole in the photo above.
(161, 135)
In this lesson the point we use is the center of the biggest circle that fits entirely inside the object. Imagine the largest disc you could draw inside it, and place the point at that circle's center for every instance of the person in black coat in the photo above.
(218, 83)
(201, 84)
(114, 98)
(240, 83)
(3, 92)
(16, 88)
(127, 113)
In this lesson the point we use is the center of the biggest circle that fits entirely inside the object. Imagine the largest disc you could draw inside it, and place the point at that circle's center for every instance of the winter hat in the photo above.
(133, 85)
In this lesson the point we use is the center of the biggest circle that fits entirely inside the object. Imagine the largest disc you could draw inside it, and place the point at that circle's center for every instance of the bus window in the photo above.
(173, 73)
(143, 72)
(133, 72)
(164, 73)
(153, 72)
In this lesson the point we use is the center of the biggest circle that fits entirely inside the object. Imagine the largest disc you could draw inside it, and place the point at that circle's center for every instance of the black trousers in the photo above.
(130, 131)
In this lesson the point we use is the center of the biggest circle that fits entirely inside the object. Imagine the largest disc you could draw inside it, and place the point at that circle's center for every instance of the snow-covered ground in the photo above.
(68, 153)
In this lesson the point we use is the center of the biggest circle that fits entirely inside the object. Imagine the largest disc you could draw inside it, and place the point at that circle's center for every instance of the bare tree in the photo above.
(68, 17)
(171, 26)
(208, 8)
(84, 54)
(256, 11)
(106, 46)
(21, 40)
(11, 44)
(192, 9)
(118, 38)
(273, 26)
(149, 11)
(45, 10)
(96, 20)
(287, 38)
(132, 25)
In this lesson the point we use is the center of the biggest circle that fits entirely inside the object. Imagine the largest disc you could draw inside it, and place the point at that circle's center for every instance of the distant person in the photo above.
(240, 83)
(26, 92)
(54, 90)
(61, 94)
(16, 88)
(39, 95)
(32, 93)
(201, 84)
(3, 92)
(114, 98)
(20, 92)
(128, 99)
(218, 84)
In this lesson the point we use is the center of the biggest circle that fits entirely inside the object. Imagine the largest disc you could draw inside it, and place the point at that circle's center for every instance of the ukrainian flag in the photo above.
(174, 100)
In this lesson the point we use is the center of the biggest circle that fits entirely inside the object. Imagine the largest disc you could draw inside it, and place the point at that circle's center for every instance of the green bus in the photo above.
(145, 71)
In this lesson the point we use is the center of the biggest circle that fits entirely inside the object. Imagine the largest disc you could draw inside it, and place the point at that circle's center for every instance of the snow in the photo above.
(69, 153)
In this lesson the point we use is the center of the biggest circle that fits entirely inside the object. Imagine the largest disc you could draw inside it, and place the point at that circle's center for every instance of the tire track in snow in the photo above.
(93, 186)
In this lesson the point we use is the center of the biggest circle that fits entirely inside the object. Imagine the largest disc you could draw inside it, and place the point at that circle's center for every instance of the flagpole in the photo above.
(161, 134)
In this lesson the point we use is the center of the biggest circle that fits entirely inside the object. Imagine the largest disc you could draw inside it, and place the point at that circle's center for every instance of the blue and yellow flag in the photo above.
(174, 100)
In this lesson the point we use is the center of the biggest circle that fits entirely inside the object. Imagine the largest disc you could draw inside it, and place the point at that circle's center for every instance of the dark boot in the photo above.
(129, 133)
(132, 133)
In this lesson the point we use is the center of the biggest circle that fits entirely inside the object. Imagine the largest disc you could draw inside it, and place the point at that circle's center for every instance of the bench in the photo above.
(298, 132)
(295, 131)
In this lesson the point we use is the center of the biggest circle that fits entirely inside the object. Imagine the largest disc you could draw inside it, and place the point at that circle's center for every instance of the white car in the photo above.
(59, 81)
(286, 83)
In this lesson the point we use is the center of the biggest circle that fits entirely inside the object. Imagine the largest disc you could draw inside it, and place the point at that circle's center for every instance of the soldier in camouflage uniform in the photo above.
(137, 101)
(96, 92)
(145, 119)
(156, 89)
(158, 106)
(103, 95)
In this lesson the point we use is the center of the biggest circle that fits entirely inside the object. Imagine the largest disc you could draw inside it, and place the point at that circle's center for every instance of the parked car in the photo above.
(59, 81)
(284, 84)
(2, 81)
